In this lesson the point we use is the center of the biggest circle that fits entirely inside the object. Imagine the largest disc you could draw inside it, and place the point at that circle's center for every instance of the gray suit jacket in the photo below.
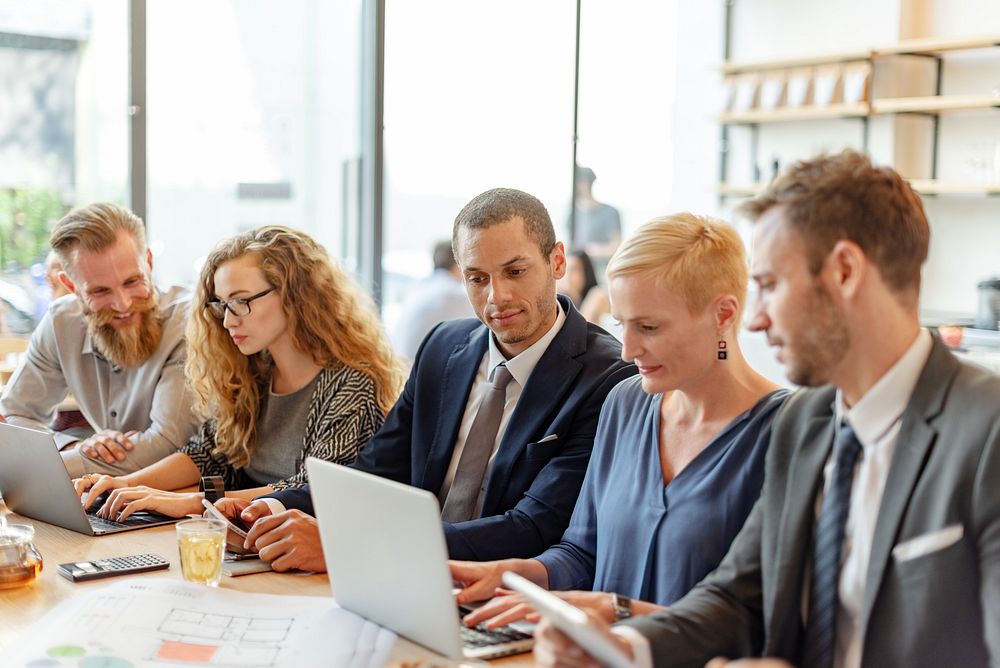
(934, 602)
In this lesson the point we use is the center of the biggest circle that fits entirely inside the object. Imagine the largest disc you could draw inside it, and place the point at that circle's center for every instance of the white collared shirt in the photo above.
(876, 419)
(520, 368)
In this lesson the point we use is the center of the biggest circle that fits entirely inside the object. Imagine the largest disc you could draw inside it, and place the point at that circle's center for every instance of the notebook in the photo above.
(387, 561)
(34, 483)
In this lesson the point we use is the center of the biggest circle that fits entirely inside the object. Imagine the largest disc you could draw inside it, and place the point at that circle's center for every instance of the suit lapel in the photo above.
(794, 548)
(456, 383)
(541, 398)
(913, 445)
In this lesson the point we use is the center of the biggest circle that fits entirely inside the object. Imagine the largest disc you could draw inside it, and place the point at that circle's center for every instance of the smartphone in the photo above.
(235, 535)
(571, 620)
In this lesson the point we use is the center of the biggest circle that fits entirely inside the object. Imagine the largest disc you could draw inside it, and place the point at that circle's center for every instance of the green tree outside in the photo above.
(26, 218)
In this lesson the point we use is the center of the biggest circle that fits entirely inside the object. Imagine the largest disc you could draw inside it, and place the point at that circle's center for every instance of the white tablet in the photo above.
(235, 535)
(571, 620)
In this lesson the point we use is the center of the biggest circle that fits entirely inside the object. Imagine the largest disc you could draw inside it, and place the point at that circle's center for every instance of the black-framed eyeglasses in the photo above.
(238, 307)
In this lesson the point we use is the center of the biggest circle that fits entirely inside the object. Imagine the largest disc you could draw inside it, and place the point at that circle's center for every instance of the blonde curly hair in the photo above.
(329, 315)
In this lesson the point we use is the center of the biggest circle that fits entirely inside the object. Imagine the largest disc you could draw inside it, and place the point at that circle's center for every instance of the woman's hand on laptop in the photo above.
(289, 539)
(124, 501)
(481, 579)
(95, 486)
(508, 607)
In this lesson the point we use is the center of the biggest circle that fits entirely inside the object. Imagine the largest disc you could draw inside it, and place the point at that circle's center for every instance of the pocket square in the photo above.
(550, 437)
(929, 542)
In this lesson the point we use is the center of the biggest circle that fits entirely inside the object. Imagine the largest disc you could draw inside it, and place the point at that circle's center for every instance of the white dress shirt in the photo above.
(876, 419)
(520, 368)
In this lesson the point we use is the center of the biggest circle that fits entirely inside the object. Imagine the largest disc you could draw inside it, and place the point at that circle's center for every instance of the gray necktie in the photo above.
(462, 501)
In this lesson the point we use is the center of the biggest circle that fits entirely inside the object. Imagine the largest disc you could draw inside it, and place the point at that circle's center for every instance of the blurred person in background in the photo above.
(52, 269)
(580, 284)
(598, 225)
(438, 298)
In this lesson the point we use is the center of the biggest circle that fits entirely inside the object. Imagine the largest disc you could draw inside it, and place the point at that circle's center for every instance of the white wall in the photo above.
(965, 245)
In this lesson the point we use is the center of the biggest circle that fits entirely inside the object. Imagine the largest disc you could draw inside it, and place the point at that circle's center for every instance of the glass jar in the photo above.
(988, 312)
(20, 561)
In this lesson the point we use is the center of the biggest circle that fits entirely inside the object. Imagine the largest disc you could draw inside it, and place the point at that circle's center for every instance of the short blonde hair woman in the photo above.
(286, 358)
(678, 460)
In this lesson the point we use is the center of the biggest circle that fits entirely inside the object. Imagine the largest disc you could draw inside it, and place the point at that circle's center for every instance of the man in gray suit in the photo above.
(876, 540)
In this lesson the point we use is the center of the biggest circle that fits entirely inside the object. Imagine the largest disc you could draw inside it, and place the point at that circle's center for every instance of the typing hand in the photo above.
(124, 501)
(96, 486)
(109, 445)
(508, 607)
(288, 540)
(481, 580)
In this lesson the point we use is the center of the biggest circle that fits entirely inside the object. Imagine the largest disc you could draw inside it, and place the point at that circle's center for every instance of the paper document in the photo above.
(159, 622)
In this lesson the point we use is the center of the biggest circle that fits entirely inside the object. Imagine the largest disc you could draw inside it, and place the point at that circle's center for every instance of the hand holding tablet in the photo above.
(570, 620)
(235, 535)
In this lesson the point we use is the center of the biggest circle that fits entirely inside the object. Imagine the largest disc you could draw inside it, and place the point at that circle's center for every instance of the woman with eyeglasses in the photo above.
(286, 359)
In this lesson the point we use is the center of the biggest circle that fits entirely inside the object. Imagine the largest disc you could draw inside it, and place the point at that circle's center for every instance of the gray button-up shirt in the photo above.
(151, 398)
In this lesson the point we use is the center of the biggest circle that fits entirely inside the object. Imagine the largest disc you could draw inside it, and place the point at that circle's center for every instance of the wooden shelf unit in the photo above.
(807, 113)
(737, 67)
(932, 105)
(935, 46)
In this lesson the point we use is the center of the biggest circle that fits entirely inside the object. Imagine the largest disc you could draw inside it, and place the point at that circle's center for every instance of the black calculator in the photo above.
(80, 571)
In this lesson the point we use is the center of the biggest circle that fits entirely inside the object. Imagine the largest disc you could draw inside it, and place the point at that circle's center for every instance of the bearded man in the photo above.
(116, 344)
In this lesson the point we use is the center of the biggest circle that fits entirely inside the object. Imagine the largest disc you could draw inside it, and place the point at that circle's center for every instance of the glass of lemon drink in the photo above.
(201, 543)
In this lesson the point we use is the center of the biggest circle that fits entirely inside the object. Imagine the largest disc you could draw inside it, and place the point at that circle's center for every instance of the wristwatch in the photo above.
(622, 606)
(213, 487)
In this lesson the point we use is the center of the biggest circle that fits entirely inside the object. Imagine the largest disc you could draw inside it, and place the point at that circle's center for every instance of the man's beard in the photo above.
(823, 340)
(131, 345)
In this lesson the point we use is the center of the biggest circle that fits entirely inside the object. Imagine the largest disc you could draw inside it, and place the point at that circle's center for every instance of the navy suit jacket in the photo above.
(533, 484)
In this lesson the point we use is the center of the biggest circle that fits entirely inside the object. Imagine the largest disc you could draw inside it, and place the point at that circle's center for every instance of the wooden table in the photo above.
(19, 608)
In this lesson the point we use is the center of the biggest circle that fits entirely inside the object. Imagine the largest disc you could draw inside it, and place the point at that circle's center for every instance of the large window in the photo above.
(477, 95)
(253, 120)
(63, 133)
(626, 104)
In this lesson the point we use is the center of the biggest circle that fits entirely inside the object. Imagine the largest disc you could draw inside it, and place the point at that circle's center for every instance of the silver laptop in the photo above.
(385, 552)
(34, 483)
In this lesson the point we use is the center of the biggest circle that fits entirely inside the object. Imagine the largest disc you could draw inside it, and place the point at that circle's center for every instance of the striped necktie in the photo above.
(821, 623)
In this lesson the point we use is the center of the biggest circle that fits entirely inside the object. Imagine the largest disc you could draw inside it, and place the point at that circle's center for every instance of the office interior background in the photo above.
(369, 123)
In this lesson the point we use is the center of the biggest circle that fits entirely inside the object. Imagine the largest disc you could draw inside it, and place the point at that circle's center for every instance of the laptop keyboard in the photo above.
(101, 524)
(482, 637)
(138, 519)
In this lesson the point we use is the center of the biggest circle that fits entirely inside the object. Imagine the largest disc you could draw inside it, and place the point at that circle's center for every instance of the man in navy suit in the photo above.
(515, 497)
